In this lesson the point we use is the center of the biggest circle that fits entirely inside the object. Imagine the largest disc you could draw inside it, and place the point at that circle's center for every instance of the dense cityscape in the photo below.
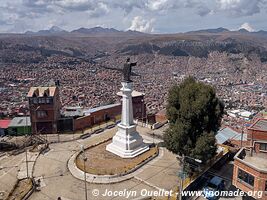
(162, 106)
(238, 84)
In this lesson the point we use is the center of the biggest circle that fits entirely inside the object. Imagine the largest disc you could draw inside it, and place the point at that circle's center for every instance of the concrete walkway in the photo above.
(31, 157)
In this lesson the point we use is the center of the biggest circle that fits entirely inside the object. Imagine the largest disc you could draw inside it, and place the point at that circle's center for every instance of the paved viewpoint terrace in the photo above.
(57, 181)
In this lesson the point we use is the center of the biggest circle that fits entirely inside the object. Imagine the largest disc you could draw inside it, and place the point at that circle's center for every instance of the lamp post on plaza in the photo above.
(26, 153)
(242, 134)
(27, 167)
(35, 111)
(84, 169)
(182, 175)
(142, 110)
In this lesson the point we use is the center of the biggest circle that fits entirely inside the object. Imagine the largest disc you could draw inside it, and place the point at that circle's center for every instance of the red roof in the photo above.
(4, 123)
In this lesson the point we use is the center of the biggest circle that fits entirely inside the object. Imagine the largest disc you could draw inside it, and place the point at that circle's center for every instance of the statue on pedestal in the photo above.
(127, 142)
(127, 70)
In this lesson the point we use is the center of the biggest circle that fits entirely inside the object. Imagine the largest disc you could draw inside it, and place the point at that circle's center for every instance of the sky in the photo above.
(151, 16)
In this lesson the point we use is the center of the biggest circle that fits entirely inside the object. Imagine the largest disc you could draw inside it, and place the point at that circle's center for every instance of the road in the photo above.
(225, 173)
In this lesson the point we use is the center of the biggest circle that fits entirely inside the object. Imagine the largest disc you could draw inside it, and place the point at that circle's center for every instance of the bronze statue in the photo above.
(127, 70)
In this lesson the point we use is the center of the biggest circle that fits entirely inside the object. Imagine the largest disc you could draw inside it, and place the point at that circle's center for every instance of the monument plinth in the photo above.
(127, 143)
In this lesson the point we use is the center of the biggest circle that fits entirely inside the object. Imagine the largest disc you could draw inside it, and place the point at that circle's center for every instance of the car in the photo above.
(213, 187)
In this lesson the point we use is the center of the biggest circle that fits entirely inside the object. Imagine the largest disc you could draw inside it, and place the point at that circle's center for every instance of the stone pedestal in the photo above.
(127, 143)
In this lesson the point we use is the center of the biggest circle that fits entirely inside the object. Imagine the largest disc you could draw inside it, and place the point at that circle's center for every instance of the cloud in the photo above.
(142, 25)
(75, 5)
(240, 7)
(8, 18)
(155, 5)
(247, 26)
(37, 14)
(100, 10)
(203, 11)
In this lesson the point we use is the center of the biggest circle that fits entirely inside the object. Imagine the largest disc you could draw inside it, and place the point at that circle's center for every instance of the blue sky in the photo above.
(158, 16)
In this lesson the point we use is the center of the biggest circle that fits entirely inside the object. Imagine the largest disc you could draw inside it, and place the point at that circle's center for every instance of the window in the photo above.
(47, 100)
(246, 177)
(263, 147)
(35, 100)
(41, 114)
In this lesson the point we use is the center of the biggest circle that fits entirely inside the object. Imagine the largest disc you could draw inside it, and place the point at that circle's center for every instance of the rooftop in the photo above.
(41, 91)
(4, 123)
(255, 160)
(20, 122)
(260, 125)
(92, 110)
(227, 133)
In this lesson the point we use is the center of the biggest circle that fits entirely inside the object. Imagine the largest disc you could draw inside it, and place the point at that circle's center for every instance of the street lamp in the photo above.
(84, 162)
(27, 167)
(182, 172)
(142, 112)
(242, 135)
(35, 110)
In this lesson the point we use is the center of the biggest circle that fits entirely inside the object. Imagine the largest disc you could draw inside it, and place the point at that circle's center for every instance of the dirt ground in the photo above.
(21, 189)
(99, 160)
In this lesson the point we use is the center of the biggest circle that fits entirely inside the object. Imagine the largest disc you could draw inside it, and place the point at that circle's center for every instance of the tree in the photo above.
(195, 115)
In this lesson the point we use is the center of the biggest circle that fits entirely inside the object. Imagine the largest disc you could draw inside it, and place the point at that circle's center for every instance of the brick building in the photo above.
(97, 115)
(44, 104)
(101, 114)
(250, 164)
(3, 126)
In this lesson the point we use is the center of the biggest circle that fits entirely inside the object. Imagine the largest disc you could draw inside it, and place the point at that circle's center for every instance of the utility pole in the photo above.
(182, 174)
(27, 167)
(84, 169)
(182, 179)
(142, 112)
(26, 154)
(242, 133)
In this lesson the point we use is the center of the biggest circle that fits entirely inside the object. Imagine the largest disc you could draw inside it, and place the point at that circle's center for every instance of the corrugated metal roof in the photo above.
(260, 125)
(92, 110)
(20, 122)
(225, 134)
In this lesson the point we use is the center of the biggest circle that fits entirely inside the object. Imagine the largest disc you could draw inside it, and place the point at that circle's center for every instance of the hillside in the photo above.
(95, 43)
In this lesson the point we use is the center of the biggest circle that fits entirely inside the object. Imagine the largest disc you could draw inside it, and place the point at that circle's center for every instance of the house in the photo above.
(250, 163)
(97, 115)
(230, 137)
(19, 126)
(44, 104)
(4, 123)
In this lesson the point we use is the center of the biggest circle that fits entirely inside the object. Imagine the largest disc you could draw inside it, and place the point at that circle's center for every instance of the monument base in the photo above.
(127, 143)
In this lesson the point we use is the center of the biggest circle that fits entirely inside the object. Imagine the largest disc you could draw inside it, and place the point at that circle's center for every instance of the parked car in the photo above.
(213, 187)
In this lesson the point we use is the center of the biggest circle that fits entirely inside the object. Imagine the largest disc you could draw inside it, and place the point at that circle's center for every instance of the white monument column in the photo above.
(127, 143)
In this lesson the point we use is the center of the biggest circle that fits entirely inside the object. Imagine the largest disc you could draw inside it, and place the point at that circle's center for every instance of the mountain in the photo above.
(95, 30)
(243, 30)
(216, 30)
(52, 31)
(261, 32)
(98, 42)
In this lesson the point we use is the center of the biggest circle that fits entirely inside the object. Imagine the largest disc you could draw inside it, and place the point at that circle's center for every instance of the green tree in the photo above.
(195, 115)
